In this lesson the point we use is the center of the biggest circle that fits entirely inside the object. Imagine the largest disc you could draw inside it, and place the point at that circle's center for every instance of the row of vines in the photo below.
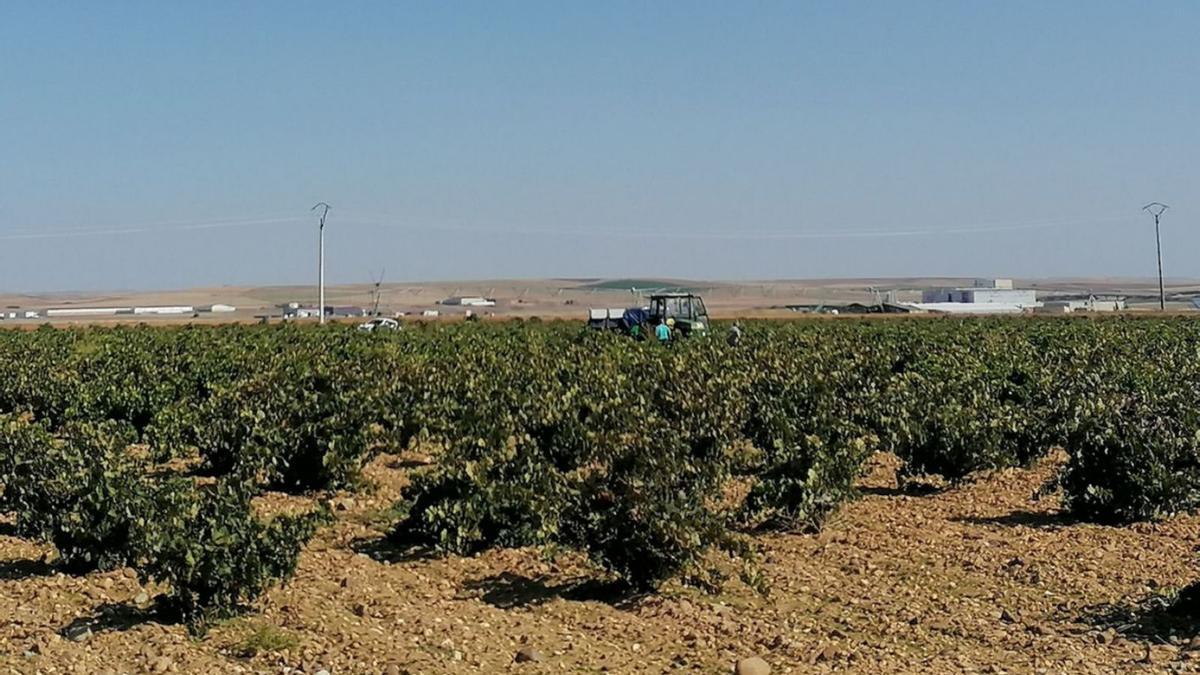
(145, 447)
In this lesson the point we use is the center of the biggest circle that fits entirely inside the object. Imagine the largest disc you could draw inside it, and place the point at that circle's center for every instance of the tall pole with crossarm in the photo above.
(324, 209)
(1156, 209)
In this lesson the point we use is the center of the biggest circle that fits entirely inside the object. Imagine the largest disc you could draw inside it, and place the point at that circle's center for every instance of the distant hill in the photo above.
(675, 285)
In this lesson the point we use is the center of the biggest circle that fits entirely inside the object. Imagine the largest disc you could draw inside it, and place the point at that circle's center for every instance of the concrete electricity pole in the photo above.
(321, 257)
(1156, 209)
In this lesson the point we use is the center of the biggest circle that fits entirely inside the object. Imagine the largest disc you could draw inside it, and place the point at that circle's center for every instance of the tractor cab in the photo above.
(687, 309)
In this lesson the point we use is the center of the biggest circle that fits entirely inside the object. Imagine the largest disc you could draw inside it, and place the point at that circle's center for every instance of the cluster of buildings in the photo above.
(295, 310)
(469, 302)
(983, 296)
(998, 296)
(101, 312)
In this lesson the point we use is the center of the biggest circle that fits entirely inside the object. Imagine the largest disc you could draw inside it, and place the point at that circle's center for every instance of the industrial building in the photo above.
(470, 301)
(294, 310)
(985, 296)
(1090, 304)
(58, 312)
(103, 312)
(166, 311)
(983, 291)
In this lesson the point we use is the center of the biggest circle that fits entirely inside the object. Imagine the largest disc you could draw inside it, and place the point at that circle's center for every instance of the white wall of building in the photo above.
(180, 309)
(1007, 296)
(88, 311)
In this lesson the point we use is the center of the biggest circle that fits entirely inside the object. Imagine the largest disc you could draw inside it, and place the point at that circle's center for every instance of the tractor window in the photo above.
(701, 310)
(678, 307)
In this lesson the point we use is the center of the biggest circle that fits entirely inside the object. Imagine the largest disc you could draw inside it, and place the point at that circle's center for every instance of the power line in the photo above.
(386, 221)
(736, 236)
(148, 228)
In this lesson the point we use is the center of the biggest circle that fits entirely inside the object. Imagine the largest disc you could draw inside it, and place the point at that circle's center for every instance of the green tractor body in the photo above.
(687, 309)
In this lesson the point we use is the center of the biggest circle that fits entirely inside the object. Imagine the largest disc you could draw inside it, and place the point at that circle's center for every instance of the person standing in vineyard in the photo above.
(663, 332)
(735, 335)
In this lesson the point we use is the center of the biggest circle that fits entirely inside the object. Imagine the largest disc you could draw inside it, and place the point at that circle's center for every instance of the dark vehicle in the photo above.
(687, 309)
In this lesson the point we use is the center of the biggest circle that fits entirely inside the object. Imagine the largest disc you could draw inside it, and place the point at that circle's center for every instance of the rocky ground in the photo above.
(976, 579)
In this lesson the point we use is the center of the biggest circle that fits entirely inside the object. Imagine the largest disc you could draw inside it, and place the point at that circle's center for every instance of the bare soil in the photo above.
(974, 579)
(554, 298)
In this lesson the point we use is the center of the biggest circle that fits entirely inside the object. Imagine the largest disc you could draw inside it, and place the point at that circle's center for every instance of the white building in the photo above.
(1091, 304)
(987, 296)
(166, 310)
(88, 311)
(470, 301)
(984, 291)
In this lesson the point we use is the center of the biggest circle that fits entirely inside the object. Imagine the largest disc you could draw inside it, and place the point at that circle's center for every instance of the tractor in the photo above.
(687, 309)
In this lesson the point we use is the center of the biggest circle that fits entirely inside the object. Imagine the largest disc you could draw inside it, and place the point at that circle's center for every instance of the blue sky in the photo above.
(152, 144)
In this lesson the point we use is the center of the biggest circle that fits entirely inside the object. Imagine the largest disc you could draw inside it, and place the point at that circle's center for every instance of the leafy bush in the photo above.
(295, 428)
(477, 500)
(20, 441)
(1135, 453)
(207, 545)
(82, 492)
(803, 415)
(962, 408)
(576, 450)
(645, 516)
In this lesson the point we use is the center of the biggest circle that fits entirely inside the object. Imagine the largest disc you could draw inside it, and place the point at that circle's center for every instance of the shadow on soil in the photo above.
(919, 490)
(1033, 519)
(404, 464)
(111, 617)
(384, 550)
(19, 568)
(1154, 619)
(508, 591)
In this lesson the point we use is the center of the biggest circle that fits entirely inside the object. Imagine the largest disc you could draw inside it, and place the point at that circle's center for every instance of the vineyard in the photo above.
(202, 461)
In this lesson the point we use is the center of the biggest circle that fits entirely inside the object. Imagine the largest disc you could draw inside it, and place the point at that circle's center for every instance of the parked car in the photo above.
(381, 323)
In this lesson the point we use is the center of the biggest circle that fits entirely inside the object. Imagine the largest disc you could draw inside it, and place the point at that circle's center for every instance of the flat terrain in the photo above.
(569, 298)
(980, 578)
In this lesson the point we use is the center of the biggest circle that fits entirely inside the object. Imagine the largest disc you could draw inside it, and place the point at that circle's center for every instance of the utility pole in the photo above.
(1156, 209)
(377, 292)
(324, 208)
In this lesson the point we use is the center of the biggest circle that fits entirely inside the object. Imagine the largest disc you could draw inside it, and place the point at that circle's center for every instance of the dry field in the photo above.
(975, 579)
(561, 298)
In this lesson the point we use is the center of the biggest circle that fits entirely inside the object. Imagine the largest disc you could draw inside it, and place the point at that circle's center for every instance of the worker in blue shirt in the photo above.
(663, 331)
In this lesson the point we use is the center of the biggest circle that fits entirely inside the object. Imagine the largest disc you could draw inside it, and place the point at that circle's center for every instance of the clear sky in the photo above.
(171, 144)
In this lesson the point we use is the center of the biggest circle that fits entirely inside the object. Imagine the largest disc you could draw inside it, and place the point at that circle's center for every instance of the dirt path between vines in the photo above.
(974, 579)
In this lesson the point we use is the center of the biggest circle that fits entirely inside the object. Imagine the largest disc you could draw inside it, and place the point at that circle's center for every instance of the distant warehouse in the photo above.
(180, 309)
(152, 310)
(986, 296)
(984, 291)
(88, 311)
(470, 301)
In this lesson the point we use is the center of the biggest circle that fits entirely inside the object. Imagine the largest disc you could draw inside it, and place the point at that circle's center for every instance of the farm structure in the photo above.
(470, 301)
(103, 312)
(294, 310)
(986, 296)
(1089, 304)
